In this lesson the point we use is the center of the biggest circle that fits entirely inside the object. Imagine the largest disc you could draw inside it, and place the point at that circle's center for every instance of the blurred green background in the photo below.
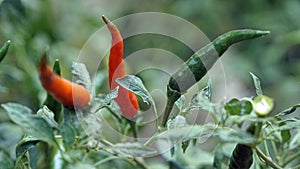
(64, 27)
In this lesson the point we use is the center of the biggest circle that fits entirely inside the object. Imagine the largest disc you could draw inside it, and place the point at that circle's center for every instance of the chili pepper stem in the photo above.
(173, 95)
(133, 128)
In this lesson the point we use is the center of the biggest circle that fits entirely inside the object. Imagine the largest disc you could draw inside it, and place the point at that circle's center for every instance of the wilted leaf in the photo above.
(257, 84)
(238, 107)
(135, 85)
(33, 125)
(48, 116)
(23, 162)
(201, 100)
(131, 150)
(81, 75)
(25, 144)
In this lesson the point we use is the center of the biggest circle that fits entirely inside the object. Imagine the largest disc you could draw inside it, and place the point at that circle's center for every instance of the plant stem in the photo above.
(292, 157)
(296, 167)
(133, 128)
(258, 129)
(106, 160)
(173, 95)
(140, 163)
(267, 159)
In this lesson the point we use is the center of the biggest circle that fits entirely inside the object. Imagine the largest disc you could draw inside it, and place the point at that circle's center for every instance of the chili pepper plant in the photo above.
(68, 131)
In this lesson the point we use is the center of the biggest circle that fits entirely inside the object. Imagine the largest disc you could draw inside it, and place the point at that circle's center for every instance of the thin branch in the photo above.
(267, 159)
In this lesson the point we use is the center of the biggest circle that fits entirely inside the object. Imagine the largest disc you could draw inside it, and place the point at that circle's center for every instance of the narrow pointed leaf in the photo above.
(257, 84)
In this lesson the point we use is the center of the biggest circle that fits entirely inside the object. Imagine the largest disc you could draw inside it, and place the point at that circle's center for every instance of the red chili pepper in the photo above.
(126, 99)
(67, 93)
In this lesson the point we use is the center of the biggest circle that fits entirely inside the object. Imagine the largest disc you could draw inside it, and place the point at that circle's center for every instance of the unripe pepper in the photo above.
(4, 49)
(194, 69)
(67, 93)
(126, 99)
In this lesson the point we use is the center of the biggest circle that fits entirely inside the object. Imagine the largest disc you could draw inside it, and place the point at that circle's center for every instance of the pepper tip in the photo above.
(106, 20)
(263, 32)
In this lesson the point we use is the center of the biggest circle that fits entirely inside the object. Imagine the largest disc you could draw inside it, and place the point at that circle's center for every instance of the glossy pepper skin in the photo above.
(126, 100)
(65, 92)
(4, 49)
(194, 69)
(242, 155)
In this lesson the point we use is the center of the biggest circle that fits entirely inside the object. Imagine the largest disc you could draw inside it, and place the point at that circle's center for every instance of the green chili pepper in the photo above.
(4, 49)
(197, 65)
(242, 155)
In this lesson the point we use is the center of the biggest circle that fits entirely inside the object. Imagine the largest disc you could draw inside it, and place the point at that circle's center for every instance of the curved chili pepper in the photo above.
(194, 69)
(67, 93)
(126, 99)
(4, 49)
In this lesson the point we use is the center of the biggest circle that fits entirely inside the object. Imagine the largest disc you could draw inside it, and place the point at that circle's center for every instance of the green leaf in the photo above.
(285, 134)
(234, 135)
(51, 103)
(81, 75)
(289, 125)
(4, 49)
(10, 134)
(201, 100)
(232, 120)
(180, 103)
(295, 141)
(238, 107)
(33, 125)
(68, 135)
(289, 110)
(48, 116)
(219, 157)
(187, 133)
(92, 124)
(257, 84)
(131, 150)
(106, 100)
(5, 161)
(178, 121)
(23, 162)
(135, 85)
(25, 144)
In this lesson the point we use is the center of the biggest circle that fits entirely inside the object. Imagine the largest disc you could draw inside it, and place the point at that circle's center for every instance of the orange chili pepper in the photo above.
(126, 99)
(67, 93)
